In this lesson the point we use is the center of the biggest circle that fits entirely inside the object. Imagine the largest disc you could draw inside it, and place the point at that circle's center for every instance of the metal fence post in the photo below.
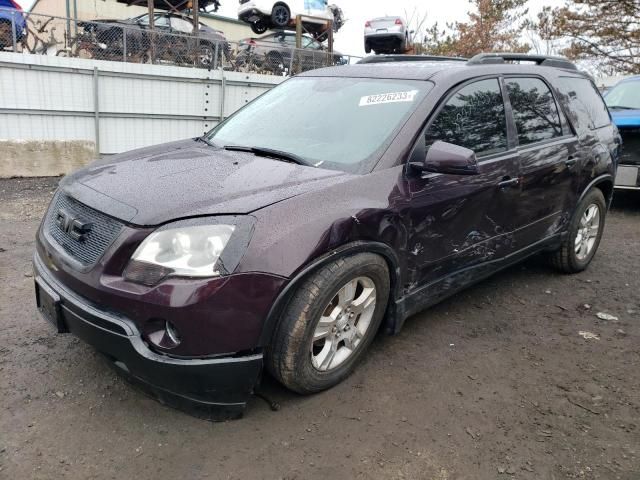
(96, 110)
(124, 44)
(223, 87)
(215, 55)
(14, 33)
(293, 52)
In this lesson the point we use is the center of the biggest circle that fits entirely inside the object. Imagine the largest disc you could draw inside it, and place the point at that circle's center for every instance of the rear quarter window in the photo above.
(586, 109)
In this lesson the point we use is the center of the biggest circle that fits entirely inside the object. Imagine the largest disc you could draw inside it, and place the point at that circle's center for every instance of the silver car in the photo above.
(386, 35)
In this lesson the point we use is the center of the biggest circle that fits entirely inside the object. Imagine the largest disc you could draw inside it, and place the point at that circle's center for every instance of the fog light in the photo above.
(162, 333)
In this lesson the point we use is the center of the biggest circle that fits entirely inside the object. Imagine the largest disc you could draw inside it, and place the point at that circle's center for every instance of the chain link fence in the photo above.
(134, 41)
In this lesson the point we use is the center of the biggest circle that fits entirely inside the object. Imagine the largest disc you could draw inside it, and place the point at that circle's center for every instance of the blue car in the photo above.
(12, 19)
(623, 101)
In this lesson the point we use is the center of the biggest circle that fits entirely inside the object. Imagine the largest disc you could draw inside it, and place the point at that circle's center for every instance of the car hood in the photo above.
(626, 118)
(154, 185)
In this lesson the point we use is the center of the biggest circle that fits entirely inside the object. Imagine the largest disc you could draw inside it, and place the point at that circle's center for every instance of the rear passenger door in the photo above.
(460, 221)
(548, 152)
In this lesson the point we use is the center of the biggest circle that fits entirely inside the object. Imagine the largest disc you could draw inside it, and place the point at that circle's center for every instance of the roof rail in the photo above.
(409, 58)
(542, 60)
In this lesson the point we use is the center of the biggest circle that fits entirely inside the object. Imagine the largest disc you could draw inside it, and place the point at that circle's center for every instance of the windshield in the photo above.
(337, 123)
(624, 95)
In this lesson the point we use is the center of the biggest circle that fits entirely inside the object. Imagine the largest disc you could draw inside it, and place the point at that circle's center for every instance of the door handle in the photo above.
(509, 182)
(571, 161)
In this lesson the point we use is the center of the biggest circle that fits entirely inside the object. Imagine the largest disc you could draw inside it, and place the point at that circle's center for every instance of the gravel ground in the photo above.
(493, 383)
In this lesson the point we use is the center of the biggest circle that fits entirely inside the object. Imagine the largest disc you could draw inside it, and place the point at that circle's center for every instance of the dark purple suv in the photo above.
(286, 240)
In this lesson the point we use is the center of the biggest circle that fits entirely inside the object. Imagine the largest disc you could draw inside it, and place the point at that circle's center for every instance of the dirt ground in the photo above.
(494, 383)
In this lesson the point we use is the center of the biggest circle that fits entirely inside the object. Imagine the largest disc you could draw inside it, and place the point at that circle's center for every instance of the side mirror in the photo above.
(444, 157)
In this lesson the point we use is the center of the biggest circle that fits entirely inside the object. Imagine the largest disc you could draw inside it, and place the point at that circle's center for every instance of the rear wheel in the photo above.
(367, 47)
(585, 232)
(329, 323)
(280, 15)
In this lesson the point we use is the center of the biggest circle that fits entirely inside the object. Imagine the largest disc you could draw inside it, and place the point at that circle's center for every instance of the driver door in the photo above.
(460, 222)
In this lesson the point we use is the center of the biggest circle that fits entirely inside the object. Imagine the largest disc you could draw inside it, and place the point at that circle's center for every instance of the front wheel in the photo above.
(259, 27)
(585, 232)
(329, 323)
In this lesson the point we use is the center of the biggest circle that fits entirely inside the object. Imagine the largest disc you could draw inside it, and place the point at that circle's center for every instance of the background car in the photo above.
(274, 51)
(623, 101)
(11, 14)
(262, 15)
(386, 35)
(174, 38)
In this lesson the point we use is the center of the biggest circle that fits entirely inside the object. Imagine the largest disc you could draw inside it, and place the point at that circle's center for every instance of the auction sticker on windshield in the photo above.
(393, 97)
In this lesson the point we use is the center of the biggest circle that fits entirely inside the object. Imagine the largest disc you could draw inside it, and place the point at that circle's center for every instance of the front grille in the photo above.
(630, 154)
(88, 250)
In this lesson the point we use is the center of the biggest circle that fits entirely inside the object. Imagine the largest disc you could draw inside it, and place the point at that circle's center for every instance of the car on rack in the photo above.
(277, 53)
(13, 24)
(386, 35)
(284, 240)
(262, 15)
(623, 101)
(173, 39)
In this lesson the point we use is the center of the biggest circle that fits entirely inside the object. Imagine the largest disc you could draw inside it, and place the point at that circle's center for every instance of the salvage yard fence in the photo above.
(170, 42)
(57, 113)
(71, 90)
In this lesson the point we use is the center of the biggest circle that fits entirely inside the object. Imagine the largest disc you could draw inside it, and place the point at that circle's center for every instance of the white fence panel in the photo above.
(110, 106)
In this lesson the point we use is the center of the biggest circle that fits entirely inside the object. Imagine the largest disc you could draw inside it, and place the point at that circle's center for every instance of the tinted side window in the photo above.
(473, 118)
(586, 108)
(534, 110)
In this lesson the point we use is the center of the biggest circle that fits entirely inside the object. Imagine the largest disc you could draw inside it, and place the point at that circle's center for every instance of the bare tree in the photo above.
(494, 25)
(605, 30)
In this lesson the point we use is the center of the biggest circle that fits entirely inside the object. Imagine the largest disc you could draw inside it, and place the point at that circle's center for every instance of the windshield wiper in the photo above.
(269, 153)
(622, 107)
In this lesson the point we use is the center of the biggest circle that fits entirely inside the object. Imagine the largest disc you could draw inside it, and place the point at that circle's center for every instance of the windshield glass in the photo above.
(336, 123)
(625, 95)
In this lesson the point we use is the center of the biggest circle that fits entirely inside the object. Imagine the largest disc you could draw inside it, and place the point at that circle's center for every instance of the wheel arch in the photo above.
(381, 249)
(604, 183)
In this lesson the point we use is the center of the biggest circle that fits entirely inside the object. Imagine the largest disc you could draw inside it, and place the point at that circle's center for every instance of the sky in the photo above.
(349, 40)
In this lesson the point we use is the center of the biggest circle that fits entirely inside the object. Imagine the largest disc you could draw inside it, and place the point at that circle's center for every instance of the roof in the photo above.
(437, 70)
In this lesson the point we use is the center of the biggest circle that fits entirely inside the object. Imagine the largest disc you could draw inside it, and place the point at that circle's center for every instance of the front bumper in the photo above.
(250, 14)
(212, 388)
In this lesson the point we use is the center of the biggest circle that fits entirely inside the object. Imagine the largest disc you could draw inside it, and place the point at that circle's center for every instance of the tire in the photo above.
(275, 63)
(206, 55)
(280, 15)
(577, 249)
(367, 48)
(259, 27)
(294, 359)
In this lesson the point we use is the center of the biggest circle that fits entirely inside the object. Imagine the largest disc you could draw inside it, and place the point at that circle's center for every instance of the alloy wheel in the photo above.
(587, 233)
(343, 324)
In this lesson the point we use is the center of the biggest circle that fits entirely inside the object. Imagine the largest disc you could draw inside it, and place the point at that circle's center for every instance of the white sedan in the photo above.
(386, 35)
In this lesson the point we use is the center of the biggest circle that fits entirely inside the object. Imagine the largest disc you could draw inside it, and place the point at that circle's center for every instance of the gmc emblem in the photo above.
(75, 227)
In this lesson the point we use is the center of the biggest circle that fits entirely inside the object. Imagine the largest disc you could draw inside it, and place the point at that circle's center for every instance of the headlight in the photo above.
(187, 251)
